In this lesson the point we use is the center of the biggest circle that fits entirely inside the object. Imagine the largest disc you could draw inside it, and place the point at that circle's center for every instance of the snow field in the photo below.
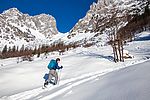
(24, 81)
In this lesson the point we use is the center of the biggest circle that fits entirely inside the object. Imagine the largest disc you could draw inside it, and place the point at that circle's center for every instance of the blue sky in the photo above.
(66, 12)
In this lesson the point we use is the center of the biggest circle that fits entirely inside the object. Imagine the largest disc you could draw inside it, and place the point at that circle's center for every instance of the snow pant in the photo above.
(53, 73)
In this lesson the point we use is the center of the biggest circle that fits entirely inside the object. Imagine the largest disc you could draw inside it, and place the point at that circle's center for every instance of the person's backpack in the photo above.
(52, 64)
(46, 76)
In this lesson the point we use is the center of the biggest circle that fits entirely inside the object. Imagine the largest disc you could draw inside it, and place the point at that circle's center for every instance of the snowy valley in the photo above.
(86, 52)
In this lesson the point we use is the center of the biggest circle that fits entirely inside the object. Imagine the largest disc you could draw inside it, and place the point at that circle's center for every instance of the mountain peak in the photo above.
(12, 12)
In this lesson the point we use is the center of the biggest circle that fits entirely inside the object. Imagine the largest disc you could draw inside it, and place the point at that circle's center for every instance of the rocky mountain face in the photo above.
(18, 27)
(105, 14)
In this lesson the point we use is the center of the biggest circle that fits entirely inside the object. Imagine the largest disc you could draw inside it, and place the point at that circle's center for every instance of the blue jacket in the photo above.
(53, 65)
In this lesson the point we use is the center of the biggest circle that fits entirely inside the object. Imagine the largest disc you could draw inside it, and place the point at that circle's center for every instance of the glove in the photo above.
(61, 67)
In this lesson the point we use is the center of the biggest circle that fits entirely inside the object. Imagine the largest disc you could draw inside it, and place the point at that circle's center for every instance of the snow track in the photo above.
(53, 91)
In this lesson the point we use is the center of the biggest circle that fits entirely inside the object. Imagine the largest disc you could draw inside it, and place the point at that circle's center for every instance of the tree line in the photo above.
(14, 51)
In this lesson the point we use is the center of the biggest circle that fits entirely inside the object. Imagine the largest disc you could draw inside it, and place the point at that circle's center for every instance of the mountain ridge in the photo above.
(16, 26)
(101, 15)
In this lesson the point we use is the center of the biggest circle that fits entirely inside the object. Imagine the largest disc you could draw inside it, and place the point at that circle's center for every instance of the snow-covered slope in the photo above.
(17, 28)
(127, 84)
(82, 67)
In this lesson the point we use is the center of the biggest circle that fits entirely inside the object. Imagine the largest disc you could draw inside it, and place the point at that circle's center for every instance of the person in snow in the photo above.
(52, 66)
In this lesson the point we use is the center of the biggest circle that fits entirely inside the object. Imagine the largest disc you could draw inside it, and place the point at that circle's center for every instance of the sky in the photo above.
(66, 12)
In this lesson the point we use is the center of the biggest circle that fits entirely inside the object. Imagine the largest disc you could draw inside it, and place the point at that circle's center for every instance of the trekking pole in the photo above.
(59, 76)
